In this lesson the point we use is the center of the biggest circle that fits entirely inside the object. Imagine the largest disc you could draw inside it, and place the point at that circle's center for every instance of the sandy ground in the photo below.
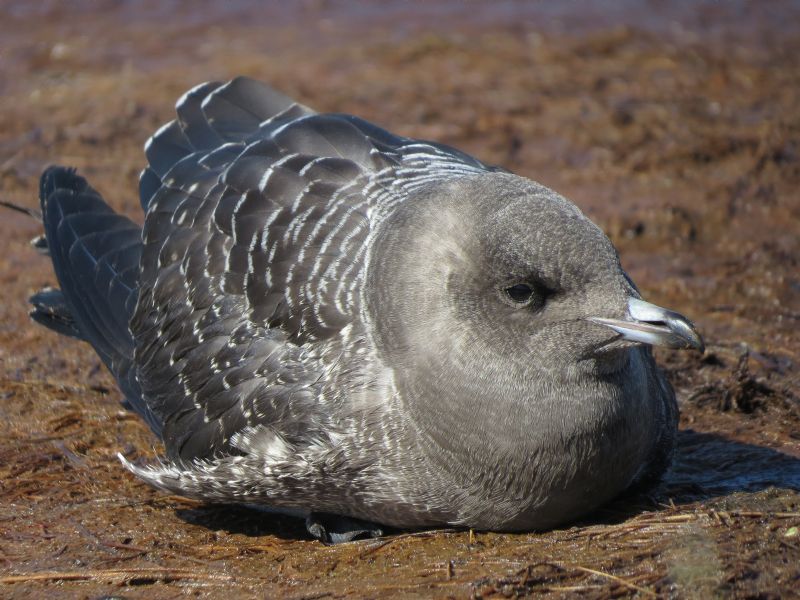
(675, 126)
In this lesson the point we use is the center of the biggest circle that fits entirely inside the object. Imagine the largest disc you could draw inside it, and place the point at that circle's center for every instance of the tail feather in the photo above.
(95, 254)
(80, 228)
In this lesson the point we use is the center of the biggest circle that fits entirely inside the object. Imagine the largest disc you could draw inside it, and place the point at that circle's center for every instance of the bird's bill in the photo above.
(651, 324)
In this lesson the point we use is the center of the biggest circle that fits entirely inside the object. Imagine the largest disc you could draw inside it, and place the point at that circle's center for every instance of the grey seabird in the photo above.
(329, 320)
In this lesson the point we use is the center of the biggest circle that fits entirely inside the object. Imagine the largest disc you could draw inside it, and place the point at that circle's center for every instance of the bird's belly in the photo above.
(573, 489)
(543, 487)
(558, 492)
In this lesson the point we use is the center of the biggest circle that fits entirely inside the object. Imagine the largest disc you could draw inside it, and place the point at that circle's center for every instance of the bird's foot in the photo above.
(336, 529)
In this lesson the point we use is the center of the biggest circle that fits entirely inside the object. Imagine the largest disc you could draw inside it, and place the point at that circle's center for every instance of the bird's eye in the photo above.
(519, 293)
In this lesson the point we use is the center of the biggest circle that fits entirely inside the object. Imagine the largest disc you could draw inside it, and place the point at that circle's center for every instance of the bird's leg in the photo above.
(336, 529)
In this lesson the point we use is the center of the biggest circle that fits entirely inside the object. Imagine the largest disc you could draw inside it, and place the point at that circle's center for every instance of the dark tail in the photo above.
(95, 254)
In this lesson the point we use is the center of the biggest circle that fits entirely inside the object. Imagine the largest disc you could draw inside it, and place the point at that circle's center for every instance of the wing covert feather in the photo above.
(259, 213)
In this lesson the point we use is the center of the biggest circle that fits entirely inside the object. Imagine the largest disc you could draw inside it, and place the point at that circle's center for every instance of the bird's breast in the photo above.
(535, 463)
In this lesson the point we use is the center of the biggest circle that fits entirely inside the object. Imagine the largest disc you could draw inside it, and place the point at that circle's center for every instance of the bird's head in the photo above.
(498, 273)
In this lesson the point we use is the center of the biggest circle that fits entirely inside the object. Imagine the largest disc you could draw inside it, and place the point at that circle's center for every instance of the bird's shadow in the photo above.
(707, 466)
(244, 520)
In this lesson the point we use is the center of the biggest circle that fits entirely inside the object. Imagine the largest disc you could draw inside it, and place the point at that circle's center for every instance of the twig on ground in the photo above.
(620, 580)
(162, 574)
(31, 212)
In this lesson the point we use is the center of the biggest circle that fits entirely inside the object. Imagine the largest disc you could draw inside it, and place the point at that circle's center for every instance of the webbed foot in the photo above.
(336, 529)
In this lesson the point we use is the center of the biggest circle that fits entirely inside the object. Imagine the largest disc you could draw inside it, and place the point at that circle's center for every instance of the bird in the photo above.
(364, 330)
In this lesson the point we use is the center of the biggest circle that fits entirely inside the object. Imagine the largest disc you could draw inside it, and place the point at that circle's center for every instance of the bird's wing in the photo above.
(258, 216)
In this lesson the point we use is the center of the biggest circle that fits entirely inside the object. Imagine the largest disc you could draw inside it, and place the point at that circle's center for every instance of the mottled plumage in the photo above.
(319, 316)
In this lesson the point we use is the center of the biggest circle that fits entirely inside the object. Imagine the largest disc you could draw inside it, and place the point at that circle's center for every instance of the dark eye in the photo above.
(520, 293)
